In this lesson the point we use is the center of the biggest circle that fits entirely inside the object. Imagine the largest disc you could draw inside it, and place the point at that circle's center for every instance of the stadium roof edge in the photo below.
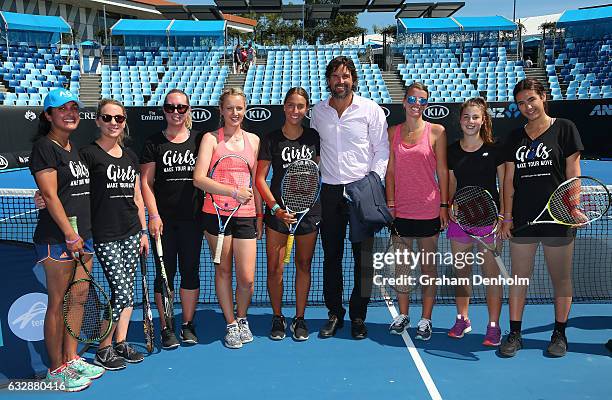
(38, 23)
(457, 24)
(586, 15)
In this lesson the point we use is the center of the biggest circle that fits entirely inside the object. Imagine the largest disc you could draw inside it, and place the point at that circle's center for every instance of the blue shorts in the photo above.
(59, 251)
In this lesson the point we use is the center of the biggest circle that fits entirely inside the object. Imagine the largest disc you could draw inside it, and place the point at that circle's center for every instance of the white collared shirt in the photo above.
(353, 144)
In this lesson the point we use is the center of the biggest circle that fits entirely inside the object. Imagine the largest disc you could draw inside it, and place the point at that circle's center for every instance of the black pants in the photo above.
(335, 218)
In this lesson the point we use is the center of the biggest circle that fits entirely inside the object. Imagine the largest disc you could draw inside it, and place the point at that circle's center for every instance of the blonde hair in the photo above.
(188, 118)
(126, 131)
(232, 91)
(486, 129)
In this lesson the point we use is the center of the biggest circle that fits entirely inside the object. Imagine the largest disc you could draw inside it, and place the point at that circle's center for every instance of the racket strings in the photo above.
(300, 186)
(87, 312)
(475, 211)
(232, 171)
(579, 201)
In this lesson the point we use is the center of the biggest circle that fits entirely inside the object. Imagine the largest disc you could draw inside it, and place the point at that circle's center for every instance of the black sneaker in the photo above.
(188, 334)
(129, 354)
(107, 358)
(331, 327)
(299, 329)
(169, 340)
(277, 332)
(511, 345)
(558, 344)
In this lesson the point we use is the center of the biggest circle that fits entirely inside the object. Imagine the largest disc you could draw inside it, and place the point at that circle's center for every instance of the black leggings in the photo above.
(182, 241)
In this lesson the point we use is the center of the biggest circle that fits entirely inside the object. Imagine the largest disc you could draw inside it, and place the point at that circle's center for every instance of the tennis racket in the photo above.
(234, 171)
(147, 315)
(300, 189)
(86, 309)
(167, 295)
(476, 214)
(394, 268)
(576, 202)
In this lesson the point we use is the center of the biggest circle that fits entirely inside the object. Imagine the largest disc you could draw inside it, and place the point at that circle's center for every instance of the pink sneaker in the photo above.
(493, 336)
(461, 327)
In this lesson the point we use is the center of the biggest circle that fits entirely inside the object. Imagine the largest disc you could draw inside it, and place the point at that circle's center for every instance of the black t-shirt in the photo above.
(281, 152)
(539, 165)
(114, 214)
(72, 189)
(476, 168)
(177, 199)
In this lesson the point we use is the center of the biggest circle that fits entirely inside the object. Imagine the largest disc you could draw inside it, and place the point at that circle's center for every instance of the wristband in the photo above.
(443, 205)
(144, 232)
(274, 208)
(154, 216)
(73, 241)
(507, 220)
(259, 215)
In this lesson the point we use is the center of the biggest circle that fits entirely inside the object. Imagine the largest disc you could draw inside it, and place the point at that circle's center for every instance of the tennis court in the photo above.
(382, 365)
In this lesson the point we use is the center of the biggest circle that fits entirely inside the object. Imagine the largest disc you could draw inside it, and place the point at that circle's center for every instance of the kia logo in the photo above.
(258, 114)
(436, 112)
(3, 162)
(386, 110)
(200, 114)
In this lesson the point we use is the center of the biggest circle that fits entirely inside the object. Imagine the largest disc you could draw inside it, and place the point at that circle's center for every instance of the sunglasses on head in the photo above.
(413, 99)
(181, 108)
(108, 118)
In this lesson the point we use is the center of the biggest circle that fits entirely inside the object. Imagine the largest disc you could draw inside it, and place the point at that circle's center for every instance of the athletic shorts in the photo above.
(417, 228)
(310, 223)
(59, 251)
(552, 235)
(454, 232)
(238, 227)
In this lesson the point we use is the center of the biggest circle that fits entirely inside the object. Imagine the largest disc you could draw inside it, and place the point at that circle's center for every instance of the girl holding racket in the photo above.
(118, 224)
(475, 160)
(63, 180)
(539, 156)
(419, 200)
(174, 205)
(242, 228)
(279, 149)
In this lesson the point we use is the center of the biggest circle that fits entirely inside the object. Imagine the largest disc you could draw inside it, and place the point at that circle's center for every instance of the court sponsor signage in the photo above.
(26, 316)
(258, 114)
(3, 162)
(30, 115)
(436, 111)
(151, 115)
(602, 110)
(87, 115)
(511, 111)
(200, 114)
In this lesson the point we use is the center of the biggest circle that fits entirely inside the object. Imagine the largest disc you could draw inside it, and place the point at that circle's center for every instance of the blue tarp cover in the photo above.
(425, 25)
(485, 24)
(197, 28)
(38, 23)
(141, 27)
(570, 17)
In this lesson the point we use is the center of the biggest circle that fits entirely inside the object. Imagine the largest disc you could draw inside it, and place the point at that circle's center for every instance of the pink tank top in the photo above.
(417, 194)
(246, 210)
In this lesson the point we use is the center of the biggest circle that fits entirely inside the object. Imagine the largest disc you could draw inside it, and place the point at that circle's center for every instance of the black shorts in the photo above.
(310, 223)
(238, 227)
(417, 228)
(552, 235)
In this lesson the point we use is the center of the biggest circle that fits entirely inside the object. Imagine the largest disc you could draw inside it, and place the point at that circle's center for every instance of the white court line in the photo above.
(414, 353)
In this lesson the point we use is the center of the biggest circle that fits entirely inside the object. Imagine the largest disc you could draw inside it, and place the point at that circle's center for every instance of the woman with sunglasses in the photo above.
(63, 180)
(118, 224)
(539, 157)
(475, 160)
(244, 228)
(174, 205)
(280, 148)
(417, 193)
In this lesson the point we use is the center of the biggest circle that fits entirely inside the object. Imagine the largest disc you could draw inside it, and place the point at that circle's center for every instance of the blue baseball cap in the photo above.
(58, 97)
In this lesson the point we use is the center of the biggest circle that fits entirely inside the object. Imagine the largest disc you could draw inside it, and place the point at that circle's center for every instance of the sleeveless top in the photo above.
(417, 194)
(246, 210)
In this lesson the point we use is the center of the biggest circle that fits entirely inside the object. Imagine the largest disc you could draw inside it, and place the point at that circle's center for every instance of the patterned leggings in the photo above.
(119, 260)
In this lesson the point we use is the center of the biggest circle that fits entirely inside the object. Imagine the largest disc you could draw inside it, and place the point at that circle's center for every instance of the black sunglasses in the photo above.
(181, 108)
(108, 118)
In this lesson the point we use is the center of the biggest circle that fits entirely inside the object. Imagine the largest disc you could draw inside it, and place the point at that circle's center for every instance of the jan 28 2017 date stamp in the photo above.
(34, 385)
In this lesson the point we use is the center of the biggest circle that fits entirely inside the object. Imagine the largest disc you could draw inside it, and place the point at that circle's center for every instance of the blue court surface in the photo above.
(381, 366)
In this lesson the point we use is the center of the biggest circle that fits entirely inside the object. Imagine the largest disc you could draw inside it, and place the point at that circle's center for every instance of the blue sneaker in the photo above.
(83, 368)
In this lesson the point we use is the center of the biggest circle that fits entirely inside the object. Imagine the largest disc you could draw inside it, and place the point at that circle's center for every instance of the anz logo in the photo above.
(436, 112)
(258, 114)
(602, 110)
(200, 114)
(511, 111)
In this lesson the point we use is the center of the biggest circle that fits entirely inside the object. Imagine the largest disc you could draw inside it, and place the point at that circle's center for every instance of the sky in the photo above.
(472, 8)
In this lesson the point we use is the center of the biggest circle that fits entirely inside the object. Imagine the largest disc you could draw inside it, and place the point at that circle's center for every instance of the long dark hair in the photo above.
(531, 84)
(300, 91)
(337, 63)
(44, 126)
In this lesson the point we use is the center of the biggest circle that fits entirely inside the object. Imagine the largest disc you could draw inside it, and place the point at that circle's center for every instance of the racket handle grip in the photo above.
(158, 246)
(288, 248)
(219, 248)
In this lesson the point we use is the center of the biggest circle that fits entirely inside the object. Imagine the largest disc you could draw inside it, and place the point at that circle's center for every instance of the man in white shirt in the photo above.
(353, 132)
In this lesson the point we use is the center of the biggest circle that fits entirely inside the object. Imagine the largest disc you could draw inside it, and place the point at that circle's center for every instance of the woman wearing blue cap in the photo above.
(63, 180)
